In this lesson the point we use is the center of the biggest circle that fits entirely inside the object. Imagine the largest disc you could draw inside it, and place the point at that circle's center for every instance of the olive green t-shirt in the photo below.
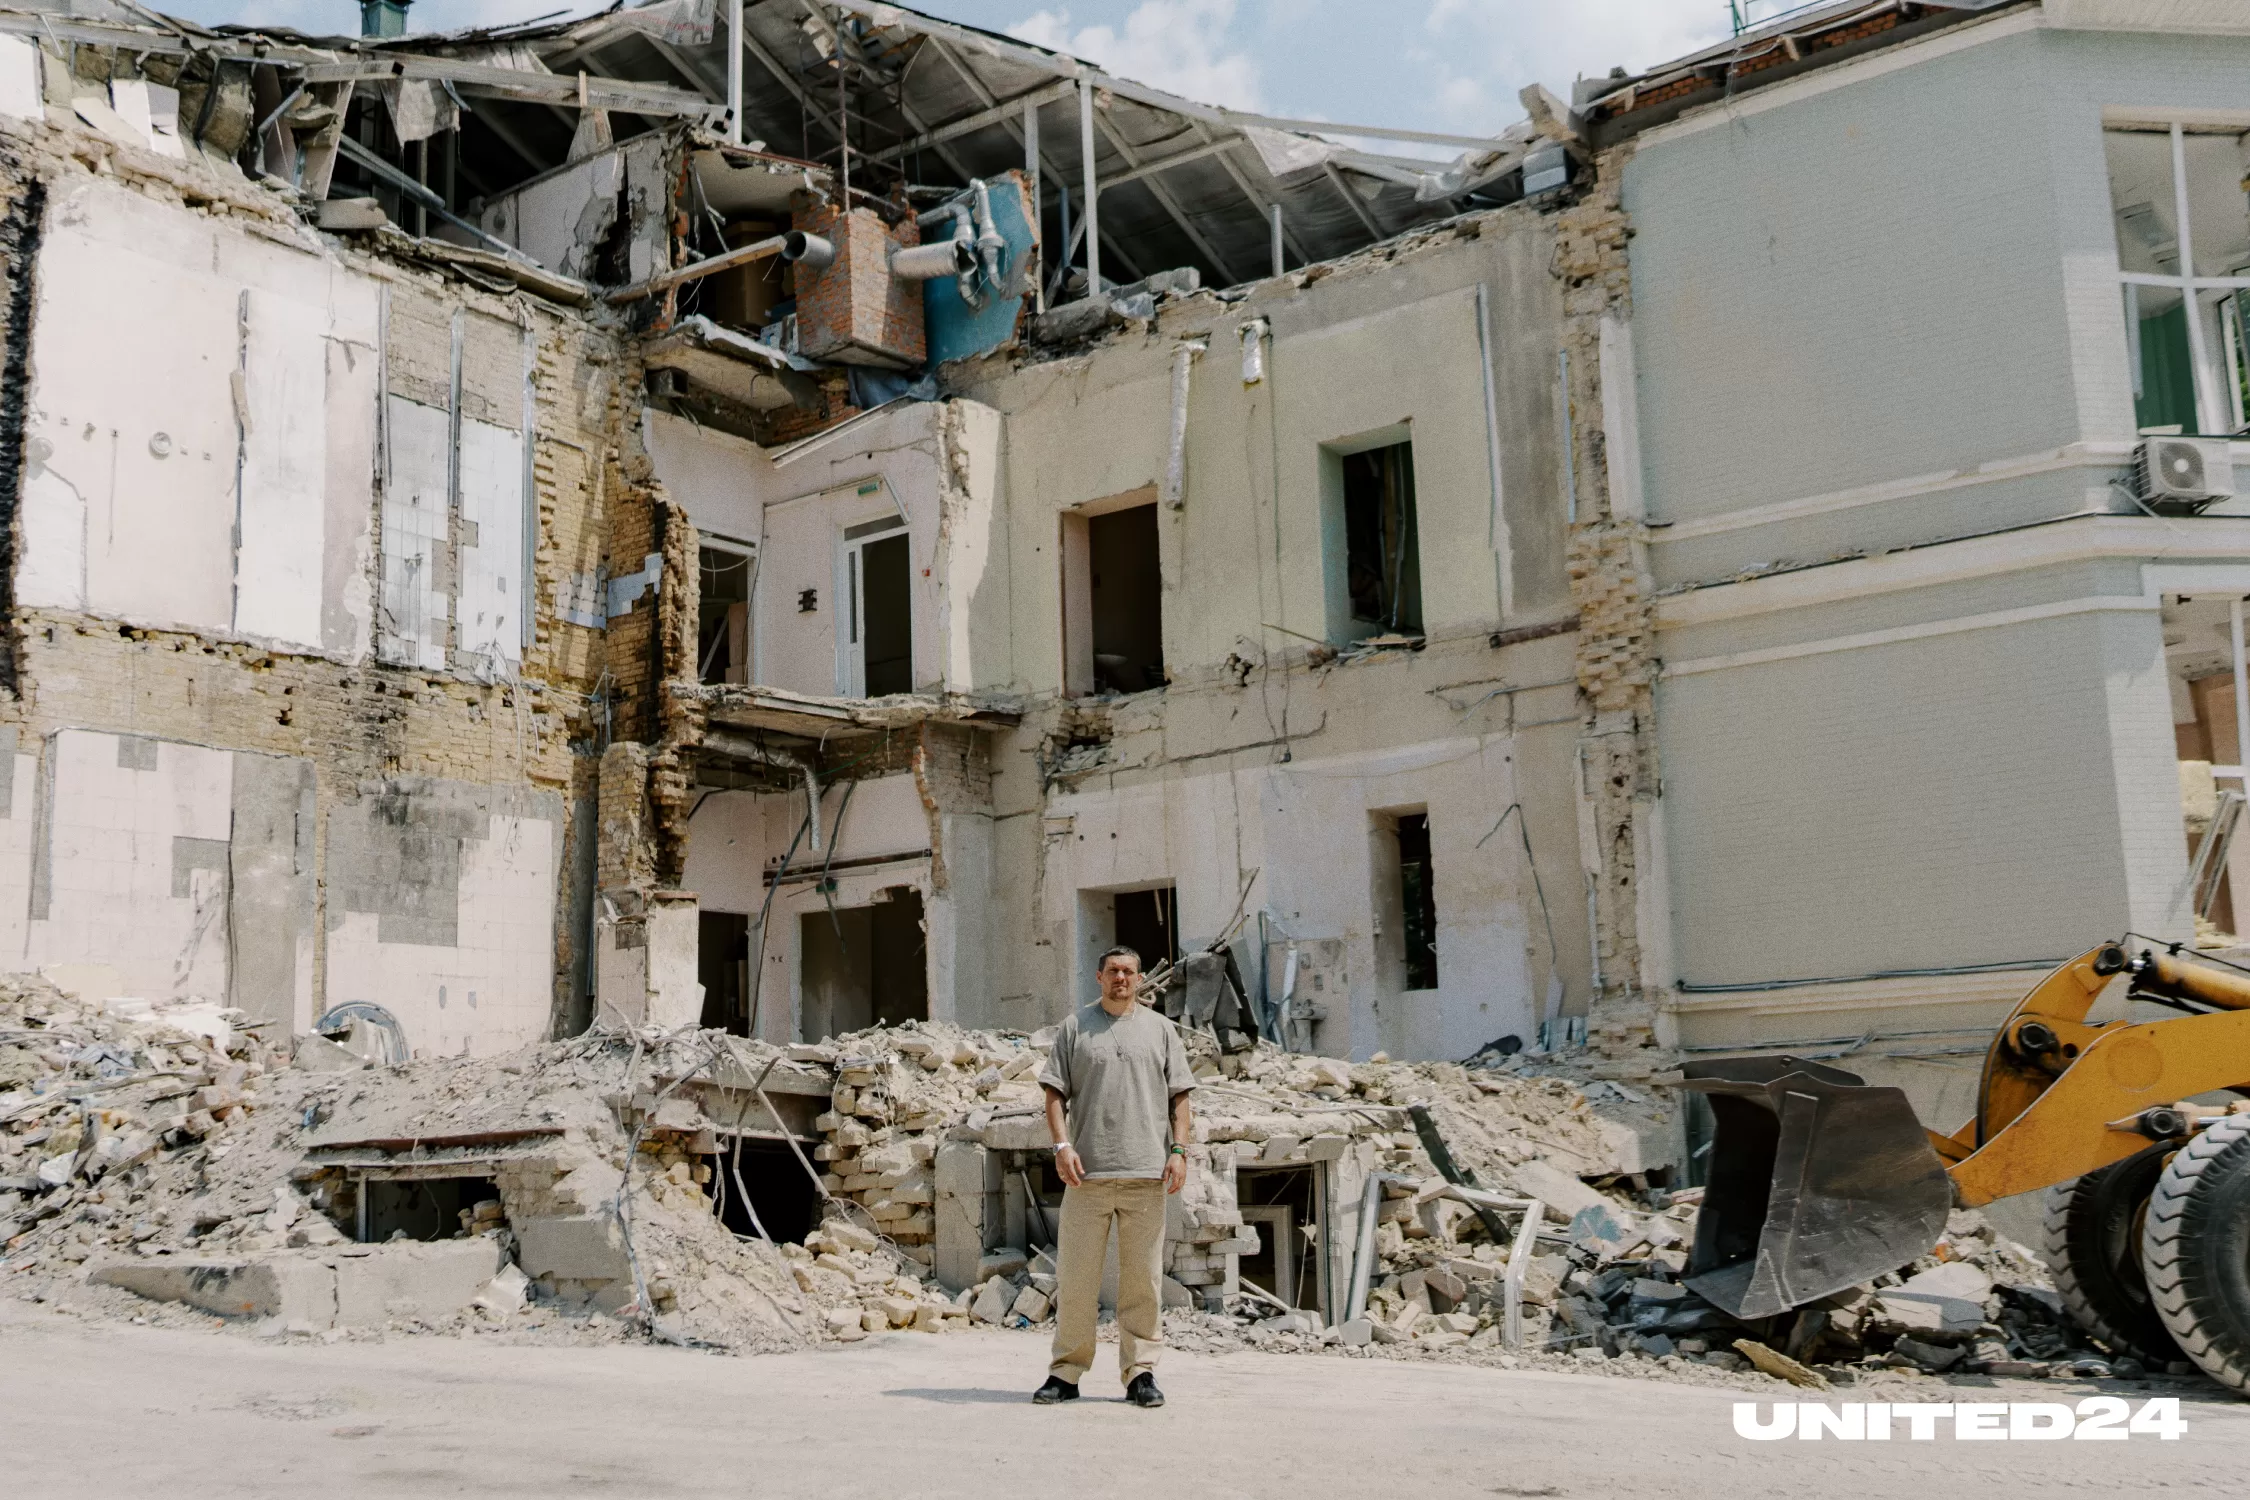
(1118, 1076)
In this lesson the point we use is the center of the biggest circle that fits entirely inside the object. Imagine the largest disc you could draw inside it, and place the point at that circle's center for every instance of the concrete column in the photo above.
(1092, 204)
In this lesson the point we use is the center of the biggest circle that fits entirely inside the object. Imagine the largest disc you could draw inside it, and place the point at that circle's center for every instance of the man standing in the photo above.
(1120, 1070)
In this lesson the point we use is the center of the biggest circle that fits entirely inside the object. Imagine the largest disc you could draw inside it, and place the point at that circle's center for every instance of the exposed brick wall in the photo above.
(855, 308)
(1610, 586)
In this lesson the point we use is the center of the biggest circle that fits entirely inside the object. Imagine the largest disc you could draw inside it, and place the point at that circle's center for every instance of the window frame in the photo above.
(2216, 394)
(853, 540)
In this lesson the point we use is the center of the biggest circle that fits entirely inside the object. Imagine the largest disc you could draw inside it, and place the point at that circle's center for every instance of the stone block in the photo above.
(293, 1290)
(1555, 1187)
(1007, 1261)
(850, 1236)
(1017, 1133)
(409, 1280)
(992, 1302)
(1030, 1305)
(579, 1248)
(1356, 1333)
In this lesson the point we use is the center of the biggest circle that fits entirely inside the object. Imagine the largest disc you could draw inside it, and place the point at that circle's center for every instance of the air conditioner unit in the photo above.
(2180, 475)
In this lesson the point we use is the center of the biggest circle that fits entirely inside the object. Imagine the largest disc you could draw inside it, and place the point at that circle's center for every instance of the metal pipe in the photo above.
(698, 269)
(1278, 267)
(802, 249)
(1175, 460)
(422, 195)
(734, 71)
(1090, 207)
(935, 262)
(1031, 171)
(991, 248)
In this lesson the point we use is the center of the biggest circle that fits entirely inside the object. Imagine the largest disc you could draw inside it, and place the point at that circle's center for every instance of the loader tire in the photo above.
(2195, 1248)
(2094, 1249)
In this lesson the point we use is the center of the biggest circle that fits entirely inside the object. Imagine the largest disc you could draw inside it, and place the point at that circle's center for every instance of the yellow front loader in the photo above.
(1819, 1182)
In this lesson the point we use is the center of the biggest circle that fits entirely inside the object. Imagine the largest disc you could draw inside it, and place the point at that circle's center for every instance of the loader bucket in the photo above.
(1817, 1183)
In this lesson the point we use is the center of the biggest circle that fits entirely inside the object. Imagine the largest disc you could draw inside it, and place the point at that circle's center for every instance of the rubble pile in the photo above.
(171, 1152)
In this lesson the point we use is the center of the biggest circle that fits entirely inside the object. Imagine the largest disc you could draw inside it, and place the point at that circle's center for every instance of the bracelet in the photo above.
(1062, 1146)
(1179, 1151)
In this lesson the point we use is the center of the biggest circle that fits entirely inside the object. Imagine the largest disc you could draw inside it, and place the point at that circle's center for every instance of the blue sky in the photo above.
(1446, 65)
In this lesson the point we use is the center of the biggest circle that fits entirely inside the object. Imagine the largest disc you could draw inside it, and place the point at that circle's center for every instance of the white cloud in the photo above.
(1179, 45)
(1483, 51)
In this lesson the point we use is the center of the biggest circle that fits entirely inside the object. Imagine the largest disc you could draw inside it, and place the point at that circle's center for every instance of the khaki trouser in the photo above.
(1136, 1204)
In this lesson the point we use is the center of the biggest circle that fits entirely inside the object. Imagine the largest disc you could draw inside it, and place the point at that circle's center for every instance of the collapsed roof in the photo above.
(882, 97)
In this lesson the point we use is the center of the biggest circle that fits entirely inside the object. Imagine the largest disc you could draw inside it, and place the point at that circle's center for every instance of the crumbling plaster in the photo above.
(269, 683)
(1264, 776)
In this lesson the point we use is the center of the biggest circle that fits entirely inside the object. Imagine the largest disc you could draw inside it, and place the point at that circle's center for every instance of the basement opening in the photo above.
(1284, 1205)
(426, 1208)
(863, 966)
(780, 1195)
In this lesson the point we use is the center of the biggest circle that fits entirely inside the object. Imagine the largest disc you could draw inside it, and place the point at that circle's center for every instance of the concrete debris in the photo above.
(194, 1167)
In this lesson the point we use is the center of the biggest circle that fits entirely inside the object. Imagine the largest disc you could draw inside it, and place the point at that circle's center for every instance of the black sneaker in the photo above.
(1142, 1391)
(1057, 1389)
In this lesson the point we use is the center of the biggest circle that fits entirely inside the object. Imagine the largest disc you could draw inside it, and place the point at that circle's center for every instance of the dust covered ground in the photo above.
(100, 1408)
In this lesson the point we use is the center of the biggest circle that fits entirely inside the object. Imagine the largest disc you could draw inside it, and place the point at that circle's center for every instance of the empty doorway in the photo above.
(863, 966)
(1126, 589)
(722, 963)
(1148, 923)
(1284, 1204)
(879, 610)
(723, 627)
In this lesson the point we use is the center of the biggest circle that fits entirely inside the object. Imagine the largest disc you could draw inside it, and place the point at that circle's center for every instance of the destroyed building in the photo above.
(747, 545)
(830, 518)
(574, 546)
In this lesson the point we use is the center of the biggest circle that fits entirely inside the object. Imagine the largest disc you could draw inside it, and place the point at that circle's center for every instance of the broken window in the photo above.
(1382, 572)
(878, 610)
(2183, 258)
(722, 962)
(1417, 899)
(723, 635)
(863, 966)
